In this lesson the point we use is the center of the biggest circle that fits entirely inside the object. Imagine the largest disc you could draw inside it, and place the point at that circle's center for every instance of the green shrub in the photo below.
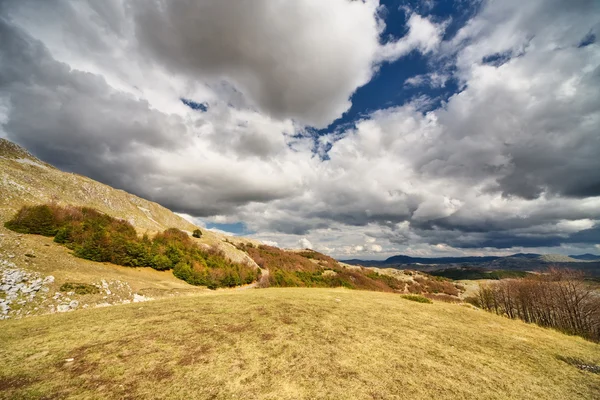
(161, 262)
(79, 288)
(417, 298)
(38, 220)
(197, 233)
(98, 237)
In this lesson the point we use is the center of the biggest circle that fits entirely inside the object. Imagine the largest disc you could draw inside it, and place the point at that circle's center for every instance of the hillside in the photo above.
(25, 180)
(119, 232)
(275, 343)
(291, 344)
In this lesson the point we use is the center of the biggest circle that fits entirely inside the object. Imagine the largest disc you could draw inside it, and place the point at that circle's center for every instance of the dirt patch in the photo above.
(9, 383)
(161, 373)
(265, 337)
(198, 355)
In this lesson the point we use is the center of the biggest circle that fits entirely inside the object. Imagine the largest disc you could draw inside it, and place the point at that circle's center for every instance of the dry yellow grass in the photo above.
(290, 344)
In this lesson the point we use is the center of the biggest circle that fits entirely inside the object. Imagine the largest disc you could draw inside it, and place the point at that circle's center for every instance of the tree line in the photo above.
(558, 298)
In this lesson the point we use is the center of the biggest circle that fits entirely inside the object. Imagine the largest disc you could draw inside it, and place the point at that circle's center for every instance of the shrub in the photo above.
(38, 220)
(197, 233)
(417, 298)
(161, 262)
(79, 288)
(98, 237)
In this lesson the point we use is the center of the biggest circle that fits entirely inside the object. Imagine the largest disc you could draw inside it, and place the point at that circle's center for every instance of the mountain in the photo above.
(588, 263)
(30, 259)
(586, 257)
(26, 180)
(559, 258)
(401, 259)
(525, 255)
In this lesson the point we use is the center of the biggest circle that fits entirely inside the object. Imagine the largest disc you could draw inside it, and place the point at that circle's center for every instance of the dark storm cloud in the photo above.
(76, 121)
(52, 105)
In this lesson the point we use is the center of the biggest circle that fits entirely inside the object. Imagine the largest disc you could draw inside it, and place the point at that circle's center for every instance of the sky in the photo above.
(362, 129)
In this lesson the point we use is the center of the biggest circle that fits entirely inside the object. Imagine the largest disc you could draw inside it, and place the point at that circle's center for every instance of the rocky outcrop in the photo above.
(18, 287)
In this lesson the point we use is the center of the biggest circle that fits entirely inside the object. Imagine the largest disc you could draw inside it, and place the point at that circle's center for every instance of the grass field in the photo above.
(289, 344)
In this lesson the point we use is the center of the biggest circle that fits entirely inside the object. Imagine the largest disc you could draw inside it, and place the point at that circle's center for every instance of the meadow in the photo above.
(291, 343)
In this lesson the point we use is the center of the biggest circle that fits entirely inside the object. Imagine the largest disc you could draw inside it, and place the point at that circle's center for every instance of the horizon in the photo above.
(360, 129)
(434, 257)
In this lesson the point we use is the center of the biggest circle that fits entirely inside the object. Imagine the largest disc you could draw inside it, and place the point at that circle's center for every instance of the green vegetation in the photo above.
(197, 233)
(309, 268)
(38, 220)
(473, 273)
(291, 343)
(79, 288)
(417, 298)
(95, 236)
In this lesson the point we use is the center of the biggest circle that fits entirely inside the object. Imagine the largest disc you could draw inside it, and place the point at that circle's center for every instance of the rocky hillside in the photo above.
(26, 260)
(24, 179)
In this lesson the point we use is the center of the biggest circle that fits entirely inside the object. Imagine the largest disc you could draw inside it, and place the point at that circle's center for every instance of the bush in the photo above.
(161, 262)
(38, 220)
(417, 298)
(197, 233)
(79, 288)
(98, 237)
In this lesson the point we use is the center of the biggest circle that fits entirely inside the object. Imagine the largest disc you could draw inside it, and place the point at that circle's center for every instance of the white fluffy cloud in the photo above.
(423, 35)
(304, 243)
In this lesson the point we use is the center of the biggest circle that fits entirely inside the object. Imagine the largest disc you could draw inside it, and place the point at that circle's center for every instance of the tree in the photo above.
(197, 233)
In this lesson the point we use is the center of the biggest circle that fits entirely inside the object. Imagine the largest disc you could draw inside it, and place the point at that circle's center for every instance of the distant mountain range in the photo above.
(587, 257)
(519, 262)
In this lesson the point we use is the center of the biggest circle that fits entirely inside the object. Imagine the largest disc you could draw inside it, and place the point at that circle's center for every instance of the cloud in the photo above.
(434, 80)
(305, 244)
(376, 248)
(423, 35)
(300, 59)
(508, 162)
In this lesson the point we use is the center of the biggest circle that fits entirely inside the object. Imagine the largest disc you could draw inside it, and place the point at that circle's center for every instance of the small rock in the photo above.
(48, 280)
(69, 360)
(74, 304)
(63, 308)
(138, 298)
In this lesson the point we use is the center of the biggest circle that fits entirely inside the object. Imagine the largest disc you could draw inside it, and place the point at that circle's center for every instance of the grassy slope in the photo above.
(56, 260)
(25, 180)
(290, 344)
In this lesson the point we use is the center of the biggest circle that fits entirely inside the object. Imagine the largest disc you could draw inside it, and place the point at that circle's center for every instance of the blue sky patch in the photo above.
(203, 107)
